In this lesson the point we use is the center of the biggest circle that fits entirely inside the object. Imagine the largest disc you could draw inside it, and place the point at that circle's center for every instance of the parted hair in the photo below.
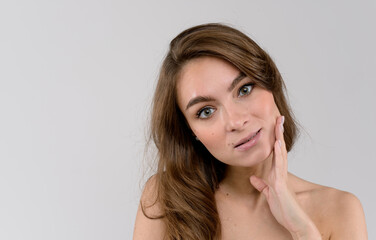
(187, 174)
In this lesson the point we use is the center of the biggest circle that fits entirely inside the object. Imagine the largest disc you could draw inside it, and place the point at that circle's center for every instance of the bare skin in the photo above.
(258, 198)
(335, 214)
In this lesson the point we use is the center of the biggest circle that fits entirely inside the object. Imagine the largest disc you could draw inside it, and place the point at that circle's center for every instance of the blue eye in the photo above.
(205, 112)
(245, 89)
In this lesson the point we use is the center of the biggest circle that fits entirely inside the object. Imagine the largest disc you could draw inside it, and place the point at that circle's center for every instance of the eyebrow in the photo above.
(236, 81)
(199, 99)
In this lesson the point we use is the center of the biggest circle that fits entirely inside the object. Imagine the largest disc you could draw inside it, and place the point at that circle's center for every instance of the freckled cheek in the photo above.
(215, 144)
(210, 138)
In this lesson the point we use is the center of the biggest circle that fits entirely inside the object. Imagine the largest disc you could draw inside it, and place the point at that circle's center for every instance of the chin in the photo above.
(252, 159)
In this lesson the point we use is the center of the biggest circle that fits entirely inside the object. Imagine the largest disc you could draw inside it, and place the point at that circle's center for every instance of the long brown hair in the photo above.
(188, 175)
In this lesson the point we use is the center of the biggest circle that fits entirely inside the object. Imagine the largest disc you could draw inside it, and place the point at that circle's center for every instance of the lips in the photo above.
(247, 139)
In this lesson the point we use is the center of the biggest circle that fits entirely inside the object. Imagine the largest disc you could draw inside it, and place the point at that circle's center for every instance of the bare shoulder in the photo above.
(149, 224)
(346, 216)
(337, 213)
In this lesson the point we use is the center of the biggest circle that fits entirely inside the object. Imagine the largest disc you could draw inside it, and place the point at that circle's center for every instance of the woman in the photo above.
(223, 128)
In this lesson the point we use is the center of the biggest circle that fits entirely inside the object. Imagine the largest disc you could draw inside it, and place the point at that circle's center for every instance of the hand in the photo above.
(280, 198)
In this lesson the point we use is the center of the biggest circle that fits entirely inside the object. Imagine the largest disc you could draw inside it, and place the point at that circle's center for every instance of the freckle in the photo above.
(227, 194)
(212, 134)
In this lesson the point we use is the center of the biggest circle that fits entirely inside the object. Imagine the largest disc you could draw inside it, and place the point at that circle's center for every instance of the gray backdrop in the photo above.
(76, 79)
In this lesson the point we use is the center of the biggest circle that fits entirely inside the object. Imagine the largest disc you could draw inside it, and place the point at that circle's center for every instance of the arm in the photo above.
(146, 228)
(281, 199)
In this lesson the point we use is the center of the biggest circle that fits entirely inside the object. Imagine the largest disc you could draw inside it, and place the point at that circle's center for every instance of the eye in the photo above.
(245, 89)
(205, 112)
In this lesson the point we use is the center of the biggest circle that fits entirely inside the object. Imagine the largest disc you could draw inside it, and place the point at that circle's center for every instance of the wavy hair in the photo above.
(187, 174)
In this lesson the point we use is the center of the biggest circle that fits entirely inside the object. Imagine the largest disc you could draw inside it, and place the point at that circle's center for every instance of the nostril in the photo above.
(236, 124)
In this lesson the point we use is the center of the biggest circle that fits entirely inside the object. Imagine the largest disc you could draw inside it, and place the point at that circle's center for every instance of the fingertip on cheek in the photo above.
(277, 145)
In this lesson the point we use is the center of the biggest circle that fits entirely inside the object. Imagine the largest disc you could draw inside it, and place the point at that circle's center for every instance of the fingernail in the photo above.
(280, 143)
(282, 121)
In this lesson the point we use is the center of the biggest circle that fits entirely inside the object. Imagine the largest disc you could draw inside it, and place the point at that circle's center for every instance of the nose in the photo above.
(236, 117)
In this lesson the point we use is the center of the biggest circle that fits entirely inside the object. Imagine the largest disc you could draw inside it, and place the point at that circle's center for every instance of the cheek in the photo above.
(215, 144)
(210, 137)
(266, 108)
(207, 136)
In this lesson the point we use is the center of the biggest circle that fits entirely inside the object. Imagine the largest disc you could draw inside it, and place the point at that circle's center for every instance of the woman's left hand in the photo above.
(281, 199)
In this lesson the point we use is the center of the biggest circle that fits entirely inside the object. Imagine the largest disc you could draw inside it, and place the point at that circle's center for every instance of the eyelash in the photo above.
(207, 107)
(201, 110)
(246, 85)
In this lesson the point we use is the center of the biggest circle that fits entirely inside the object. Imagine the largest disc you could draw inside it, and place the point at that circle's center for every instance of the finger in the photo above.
(278, 160)
(259, 184)
(279, 129)
(280, 139)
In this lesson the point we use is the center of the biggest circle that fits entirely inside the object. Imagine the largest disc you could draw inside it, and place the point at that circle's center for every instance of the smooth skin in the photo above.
(258, 198)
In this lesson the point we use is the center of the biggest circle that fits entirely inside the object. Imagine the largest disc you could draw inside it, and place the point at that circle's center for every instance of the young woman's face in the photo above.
(234, 119)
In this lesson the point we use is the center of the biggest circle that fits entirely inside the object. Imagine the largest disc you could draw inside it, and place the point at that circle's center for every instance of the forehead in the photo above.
(204, 76)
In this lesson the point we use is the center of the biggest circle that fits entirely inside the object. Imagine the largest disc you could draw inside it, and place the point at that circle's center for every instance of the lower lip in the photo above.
(250, 143)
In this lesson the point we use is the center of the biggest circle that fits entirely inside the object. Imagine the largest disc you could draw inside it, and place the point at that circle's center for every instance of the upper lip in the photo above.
(244, 140)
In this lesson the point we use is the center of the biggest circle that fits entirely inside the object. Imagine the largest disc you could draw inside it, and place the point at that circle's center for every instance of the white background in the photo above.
(77, 77)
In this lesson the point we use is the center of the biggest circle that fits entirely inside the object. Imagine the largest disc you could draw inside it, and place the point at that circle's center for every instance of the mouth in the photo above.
(247, 139)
